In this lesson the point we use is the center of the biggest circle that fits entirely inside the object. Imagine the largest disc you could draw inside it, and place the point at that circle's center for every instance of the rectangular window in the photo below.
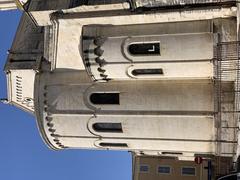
(164, 169)
(144, 168)
(108, 127)
(137, 72)
(188, 171)
(141, 49)
(113, 144)
(105, 98)
(172, 153)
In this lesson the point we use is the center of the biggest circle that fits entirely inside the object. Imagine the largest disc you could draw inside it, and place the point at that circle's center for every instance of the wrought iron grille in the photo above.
(227, 91)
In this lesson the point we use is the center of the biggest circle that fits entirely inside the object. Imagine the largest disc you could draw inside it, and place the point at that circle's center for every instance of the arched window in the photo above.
(113, 144)
(144, 49)
(137, 72)
(105, 98)
(108, 127)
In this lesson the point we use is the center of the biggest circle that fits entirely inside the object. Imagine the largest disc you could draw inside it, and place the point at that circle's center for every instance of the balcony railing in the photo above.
(227, 88)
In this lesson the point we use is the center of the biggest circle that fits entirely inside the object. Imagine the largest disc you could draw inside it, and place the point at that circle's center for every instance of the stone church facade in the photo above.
(153, 77)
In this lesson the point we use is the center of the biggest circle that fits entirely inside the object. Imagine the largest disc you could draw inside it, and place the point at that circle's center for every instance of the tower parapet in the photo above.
(7, 5)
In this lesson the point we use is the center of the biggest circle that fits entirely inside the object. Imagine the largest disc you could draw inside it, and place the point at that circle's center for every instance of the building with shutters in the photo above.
(169, 168)
(153, 77)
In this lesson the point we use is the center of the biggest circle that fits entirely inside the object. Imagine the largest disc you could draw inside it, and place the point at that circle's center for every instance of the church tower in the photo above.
(155, 77)
(7, 5)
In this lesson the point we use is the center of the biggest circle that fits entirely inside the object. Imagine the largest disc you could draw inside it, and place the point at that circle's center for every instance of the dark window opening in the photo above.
(75, 3)
(137, 72)
(108, 127)
(144, 168)
(139, 49)
(105, 98)
(172, 153)
(23, 60)
(164, 170)
(188, 171)
(113, 144)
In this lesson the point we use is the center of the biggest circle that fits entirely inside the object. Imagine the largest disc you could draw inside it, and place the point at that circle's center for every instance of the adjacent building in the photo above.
(169, 168)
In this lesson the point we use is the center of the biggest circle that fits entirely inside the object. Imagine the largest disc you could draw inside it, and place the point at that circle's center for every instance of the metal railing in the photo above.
(227, 94)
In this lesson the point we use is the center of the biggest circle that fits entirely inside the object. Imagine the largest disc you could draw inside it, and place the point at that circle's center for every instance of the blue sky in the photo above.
(23, 154)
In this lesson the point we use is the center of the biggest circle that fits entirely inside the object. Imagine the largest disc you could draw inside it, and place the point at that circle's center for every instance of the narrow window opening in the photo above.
(144, 168)
(113, 144)
(105, 98)
(144, 49)
(189, 171)
(108, 127)
(137, 72)
(172, 153)
(164, 169)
